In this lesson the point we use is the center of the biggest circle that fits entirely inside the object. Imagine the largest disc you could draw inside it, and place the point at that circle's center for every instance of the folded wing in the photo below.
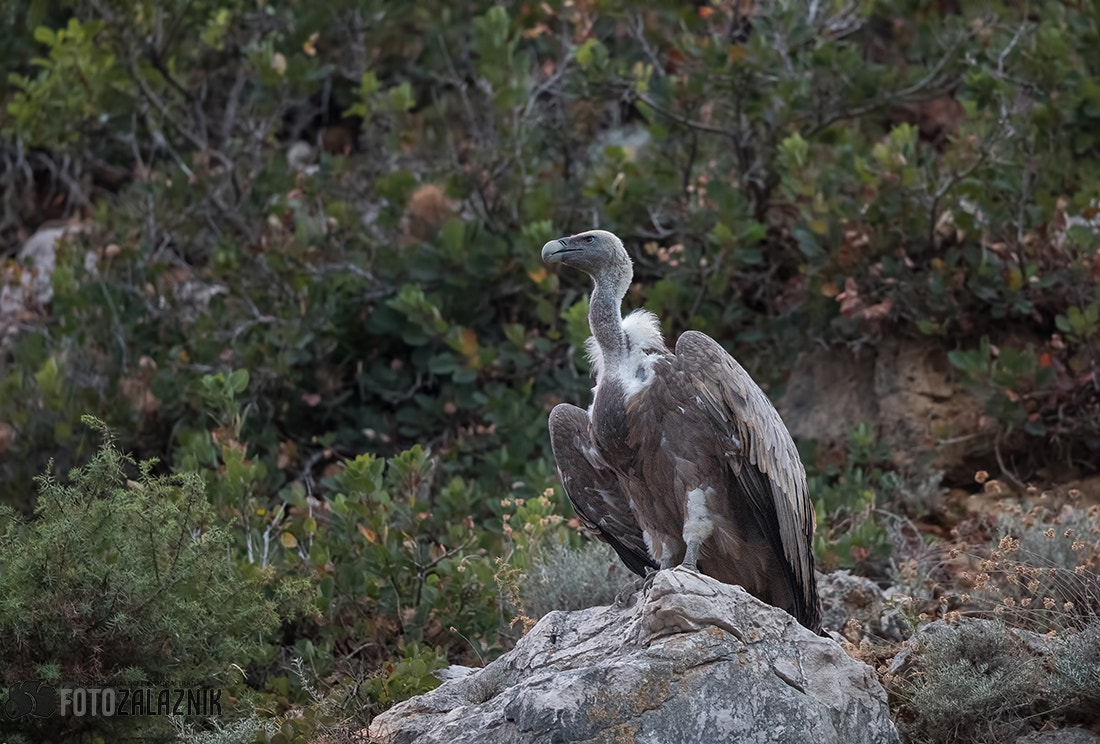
(594, 489)
(763, 458)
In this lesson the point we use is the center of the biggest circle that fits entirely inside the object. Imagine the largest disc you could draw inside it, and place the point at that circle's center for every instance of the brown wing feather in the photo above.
(594, 489)
(773, 479)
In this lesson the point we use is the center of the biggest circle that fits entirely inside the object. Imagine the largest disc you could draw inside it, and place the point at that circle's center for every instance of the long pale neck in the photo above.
(605, 317)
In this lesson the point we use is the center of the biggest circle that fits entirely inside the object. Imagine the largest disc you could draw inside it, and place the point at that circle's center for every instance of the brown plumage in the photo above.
(681, 459)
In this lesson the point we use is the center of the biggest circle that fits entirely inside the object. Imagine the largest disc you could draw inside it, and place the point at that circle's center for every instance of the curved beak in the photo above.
(555, 250)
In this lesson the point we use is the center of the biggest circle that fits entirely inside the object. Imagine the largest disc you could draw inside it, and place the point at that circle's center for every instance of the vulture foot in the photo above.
(647, 582)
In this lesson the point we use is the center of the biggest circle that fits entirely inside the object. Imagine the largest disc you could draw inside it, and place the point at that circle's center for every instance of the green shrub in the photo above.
(411, 676)
(340, 712)
(981, 681)
(397, 562)
(973, 683)
(566, 578)
(370, 323)
(847, 499)
(1076, 675)
(122, 580)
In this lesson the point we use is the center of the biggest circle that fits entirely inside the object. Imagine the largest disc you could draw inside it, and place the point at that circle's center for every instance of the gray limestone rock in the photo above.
(846, 597)
(691, 660)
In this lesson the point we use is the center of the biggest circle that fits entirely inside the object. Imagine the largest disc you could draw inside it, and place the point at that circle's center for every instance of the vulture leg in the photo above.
(593, 488)
(691, 560)
(697, 527)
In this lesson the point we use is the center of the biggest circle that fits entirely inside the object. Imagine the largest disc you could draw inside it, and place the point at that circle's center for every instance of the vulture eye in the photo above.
(588, 238)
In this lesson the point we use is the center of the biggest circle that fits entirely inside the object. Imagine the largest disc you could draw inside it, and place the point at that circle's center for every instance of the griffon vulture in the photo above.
(681, 459)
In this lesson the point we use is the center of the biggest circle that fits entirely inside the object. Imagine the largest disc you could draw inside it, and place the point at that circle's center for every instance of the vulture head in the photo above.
(598, 253)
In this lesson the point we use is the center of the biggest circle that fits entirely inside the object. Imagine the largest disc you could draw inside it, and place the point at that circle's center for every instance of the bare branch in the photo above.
(683, 120)
(232, 104)
(637, 30)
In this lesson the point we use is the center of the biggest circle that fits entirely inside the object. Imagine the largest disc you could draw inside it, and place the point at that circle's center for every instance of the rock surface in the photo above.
(846, 597)
(26, 284)
(906, 389)
(39, 254)
(690, 660)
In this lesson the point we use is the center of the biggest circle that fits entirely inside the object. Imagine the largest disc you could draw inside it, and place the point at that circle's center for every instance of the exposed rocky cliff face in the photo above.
(689, 660)
(905, 388)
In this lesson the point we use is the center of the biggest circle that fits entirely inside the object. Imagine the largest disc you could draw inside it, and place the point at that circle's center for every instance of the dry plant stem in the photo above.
(1004, 468)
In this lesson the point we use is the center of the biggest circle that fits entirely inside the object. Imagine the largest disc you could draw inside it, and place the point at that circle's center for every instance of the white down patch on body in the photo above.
(634, 371)
(698, 525)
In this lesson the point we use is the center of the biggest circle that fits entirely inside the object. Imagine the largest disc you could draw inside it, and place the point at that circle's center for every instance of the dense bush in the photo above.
(125, 583)
(981, 682)
(573, 579)
(768, 158)
(316, 230)
(847, 503)
(975, 683)
(1004, 625)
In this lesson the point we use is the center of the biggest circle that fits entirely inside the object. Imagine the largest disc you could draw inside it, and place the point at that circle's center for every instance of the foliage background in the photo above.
(307, 271)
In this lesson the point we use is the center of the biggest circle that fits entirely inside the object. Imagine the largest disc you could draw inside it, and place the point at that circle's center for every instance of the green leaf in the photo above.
(401, 97)
(515, 333)
(965, 361)
(452, 235)
(591, 50)
(443, 363)
(368, 85)
(721, 234)
(753, 231)
(929, 327)
(464, 375)
(36, 13)
(238, 381)
(576, 321)
(793, 151)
